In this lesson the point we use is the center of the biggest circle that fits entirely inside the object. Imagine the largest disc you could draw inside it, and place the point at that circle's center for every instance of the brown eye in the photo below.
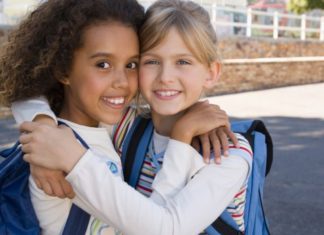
(132, 65)
(103, 65)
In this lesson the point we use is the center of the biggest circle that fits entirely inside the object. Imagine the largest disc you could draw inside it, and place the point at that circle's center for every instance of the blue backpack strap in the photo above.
(140, 134)
(78, 219)
(253, 131)
(260, 140)
(247, 127)
(17, 215)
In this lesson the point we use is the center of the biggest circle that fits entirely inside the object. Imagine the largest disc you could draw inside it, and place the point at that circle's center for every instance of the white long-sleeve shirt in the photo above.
(170, 210)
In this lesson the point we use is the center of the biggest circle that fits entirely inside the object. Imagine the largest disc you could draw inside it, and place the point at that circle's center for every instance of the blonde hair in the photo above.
(190, 19)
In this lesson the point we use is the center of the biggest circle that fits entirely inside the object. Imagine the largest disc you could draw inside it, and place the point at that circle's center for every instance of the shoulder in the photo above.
(244, 144)
(123, 127)
(244, 150)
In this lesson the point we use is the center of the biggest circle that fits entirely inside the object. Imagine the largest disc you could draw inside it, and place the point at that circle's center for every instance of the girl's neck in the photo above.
(76, 116)
(163, 124)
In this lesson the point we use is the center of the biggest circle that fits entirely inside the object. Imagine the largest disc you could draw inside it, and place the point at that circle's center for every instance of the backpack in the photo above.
(135, 147)
(17, 215)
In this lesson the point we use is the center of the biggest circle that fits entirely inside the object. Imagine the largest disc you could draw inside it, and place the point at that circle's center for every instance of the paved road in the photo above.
(294, 192)
(8, 132)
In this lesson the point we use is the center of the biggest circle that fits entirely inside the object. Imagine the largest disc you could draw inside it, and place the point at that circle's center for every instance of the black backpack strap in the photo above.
(130, 150)
(259, 126)
(223, 228)
(78, 219)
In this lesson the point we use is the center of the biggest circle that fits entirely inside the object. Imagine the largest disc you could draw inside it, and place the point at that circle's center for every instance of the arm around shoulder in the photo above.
(27, 110)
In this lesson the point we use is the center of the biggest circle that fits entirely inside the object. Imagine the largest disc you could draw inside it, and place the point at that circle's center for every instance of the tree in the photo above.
(301, 6)
(251, 1)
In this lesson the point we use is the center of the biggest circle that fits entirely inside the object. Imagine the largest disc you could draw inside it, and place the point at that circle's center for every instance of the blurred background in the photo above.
(273, 69)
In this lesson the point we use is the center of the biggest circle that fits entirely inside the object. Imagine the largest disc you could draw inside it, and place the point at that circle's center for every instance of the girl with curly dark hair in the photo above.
(89, 50)
(39, 53)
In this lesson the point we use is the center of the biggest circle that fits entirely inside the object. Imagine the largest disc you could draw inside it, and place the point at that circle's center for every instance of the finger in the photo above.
(195, 144)
(47, 188)
(232, 137)
(27, 158)
(24, 138)
(67, 189)
(38, 183)
(57, 189)
(205, 144)
(26, 148)
(64, 127)
(216, 147)
(222, 137)
(28, 126)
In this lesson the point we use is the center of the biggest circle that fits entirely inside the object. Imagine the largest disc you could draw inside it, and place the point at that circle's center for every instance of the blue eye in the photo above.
(183, 62)
(103, 65)
(132, 65)
(152, 62)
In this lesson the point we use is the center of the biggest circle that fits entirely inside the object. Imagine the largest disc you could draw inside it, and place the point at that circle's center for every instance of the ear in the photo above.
(65, 81)
(213, 75)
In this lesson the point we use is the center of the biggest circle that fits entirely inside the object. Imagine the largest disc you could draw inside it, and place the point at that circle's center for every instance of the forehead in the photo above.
(113, 38)
(172, 43)
(173, 35)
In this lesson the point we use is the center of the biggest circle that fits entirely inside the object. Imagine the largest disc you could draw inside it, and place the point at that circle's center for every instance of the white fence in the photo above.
(256, 23)
(252, 23)
(247, 22)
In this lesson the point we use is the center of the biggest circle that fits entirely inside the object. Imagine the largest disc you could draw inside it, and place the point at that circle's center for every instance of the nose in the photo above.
(121, 79)
(166, 73)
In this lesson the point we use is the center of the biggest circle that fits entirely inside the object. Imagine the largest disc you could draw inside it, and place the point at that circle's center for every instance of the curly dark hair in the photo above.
(40, 51)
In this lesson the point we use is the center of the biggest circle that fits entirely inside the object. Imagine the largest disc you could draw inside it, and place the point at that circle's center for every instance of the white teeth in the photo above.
(167, 93)
(119, 100)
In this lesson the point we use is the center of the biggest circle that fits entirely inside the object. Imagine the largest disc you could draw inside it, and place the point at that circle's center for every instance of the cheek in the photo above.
(133, 83)
(93, 87)
(146, 76)
(94, 84)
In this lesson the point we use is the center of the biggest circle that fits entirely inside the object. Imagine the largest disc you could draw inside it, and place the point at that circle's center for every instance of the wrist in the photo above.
(73, 158)
(182, 136)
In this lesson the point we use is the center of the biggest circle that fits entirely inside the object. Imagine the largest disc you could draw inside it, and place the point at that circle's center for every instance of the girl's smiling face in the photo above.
(171, 78)
(104, 75)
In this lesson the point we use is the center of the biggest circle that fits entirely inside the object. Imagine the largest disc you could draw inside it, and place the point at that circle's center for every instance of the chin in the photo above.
(167, 112)
(111, 120)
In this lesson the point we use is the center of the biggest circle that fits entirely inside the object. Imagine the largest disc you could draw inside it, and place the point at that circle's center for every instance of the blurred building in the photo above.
(270, 5)
(230, 3)
(11, 11)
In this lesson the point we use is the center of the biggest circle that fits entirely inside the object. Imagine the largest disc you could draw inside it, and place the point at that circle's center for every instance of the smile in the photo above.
(115, 100)
(167, 93)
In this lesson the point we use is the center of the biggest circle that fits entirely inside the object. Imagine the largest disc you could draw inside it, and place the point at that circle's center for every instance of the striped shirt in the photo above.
(149, 168)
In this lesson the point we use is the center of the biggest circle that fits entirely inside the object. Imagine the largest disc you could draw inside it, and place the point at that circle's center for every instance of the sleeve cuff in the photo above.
(83, 162)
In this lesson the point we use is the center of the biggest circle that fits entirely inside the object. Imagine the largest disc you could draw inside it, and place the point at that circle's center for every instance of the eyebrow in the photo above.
(174, 55)
(101, 54)
(104, 54)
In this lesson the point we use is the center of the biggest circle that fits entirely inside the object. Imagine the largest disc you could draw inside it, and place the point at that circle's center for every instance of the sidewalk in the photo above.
(305, 101)
(294, 189)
